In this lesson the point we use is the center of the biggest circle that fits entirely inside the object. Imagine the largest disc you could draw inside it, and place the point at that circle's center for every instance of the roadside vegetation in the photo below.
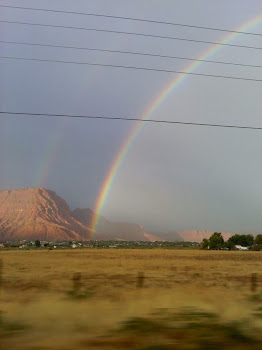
(130, 299)
(216, 241)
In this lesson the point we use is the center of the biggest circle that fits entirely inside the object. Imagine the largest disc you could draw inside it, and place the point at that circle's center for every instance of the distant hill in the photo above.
(190, 235)
(37, 213)
(168, 236)
(198, 236)
(114, 230)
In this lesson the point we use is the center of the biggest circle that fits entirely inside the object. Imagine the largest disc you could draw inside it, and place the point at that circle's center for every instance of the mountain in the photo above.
(190, 235)
(169, 236)
(86, 217)
(114, 230)
(198, 236)
(37, 213)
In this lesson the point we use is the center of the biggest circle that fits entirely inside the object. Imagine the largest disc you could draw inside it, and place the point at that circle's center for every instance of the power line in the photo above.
(132, 119)
(133, 19)
(132, 33)
(130, 53)
(132, 67)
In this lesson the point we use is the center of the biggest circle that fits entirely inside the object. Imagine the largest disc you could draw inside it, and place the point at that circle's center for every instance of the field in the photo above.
(130, 299)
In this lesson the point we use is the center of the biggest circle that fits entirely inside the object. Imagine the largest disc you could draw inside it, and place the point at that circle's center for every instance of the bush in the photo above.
(37, 243)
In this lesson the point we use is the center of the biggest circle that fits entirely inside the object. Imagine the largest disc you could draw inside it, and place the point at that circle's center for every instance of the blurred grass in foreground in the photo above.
(90, 299)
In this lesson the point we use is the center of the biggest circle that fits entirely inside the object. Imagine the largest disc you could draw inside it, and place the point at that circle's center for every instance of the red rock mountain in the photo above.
(38, 213)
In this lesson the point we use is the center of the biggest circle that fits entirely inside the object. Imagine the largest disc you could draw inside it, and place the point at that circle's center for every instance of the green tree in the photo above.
(205, 244)
(37, 243)
(236, 239)
(229, 244)
(258, 239)
(216, 241)
(249, 240)
(244, 240)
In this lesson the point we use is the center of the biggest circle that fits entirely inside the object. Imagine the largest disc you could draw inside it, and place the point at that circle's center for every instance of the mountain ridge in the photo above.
(39, 213)
(107, 229)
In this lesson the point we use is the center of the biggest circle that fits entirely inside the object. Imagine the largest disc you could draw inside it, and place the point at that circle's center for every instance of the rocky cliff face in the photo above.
(37, 213)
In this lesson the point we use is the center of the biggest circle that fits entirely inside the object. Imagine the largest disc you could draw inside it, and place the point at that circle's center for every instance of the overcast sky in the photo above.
(174, 177)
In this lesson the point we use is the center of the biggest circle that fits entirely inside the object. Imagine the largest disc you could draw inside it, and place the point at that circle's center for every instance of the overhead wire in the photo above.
(133, 67)
(133, 19)
(159, 121)
(130, 53)
(131, 33)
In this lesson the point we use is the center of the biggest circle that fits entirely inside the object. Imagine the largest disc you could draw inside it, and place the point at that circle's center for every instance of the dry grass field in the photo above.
(92, 299)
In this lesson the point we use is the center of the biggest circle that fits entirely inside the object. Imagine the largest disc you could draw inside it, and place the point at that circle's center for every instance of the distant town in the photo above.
(215, 242)
(110, 244)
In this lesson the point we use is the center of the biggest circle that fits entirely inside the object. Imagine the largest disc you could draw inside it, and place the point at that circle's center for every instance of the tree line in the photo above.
(216, 241)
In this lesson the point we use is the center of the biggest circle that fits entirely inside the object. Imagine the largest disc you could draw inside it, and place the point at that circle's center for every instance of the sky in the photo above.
(173, 177)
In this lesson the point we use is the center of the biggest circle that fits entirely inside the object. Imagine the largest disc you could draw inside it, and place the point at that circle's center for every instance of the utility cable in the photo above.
(132, 33)
(130, 53)
(132, 19)
(132, 119)
(132, 67)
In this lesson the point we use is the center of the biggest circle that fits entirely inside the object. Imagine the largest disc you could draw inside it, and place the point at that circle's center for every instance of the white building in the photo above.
(239, 247)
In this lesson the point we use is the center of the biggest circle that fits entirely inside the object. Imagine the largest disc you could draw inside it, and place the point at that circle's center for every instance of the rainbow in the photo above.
(49, 157)
(160, 98)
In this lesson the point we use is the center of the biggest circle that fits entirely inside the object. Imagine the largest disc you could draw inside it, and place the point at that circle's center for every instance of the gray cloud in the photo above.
(173, 177)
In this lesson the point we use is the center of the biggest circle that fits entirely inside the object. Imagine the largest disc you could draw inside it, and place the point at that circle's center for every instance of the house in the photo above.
(239, 247)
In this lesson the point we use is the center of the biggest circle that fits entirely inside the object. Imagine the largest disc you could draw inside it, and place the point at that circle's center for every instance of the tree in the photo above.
(244, 240)
(229, 244)
(236, 239)
(258, 239)
(37, 243)
(249, 240)
(216, 241)
(205, 244)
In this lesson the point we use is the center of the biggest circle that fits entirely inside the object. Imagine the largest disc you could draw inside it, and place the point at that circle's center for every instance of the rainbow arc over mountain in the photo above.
(153, 106)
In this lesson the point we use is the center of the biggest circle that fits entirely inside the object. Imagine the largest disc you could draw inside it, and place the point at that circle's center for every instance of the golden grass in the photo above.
(41, 308)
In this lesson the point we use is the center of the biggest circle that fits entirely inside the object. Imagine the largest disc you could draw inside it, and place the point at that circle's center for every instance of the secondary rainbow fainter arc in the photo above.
(160, 98)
